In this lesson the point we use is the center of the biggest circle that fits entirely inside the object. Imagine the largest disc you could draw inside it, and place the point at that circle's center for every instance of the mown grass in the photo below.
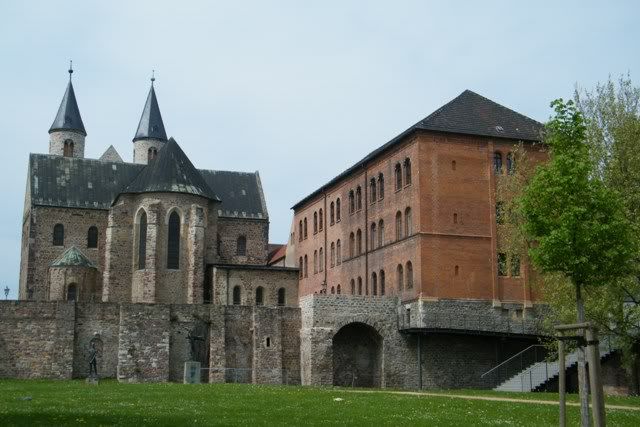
(572, 397)
(112, 403)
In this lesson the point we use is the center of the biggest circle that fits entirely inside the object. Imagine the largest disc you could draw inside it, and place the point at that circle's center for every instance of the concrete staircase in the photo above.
(536, 375)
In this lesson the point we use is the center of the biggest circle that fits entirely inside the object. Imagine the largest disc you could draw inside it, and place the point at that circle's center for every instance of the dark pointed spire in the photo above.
(68, 117)
(151, 125)
(171, 172)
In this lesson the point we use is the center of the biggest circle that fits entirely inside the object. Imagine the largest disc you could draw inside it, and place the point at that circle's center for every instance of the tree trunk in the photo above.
(583, 385)
(634, 371)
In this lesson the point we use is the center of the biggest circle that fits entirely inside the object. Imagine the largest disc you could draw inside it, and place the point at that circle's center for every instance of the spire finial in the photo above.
(153, 76)
(70, 68)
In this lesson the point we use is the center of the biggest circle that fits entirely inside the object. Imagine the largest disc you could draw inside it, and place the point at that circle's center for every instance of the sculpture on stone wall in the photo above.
(192, 344)
(95, 349)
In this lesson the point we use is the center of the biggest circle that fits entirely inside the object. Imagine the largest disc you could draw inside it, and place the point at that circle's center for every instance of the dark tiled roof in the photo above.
(171, 172)
(468, 113)
(473, 114)
(73, 257)
(93, 184)
(68, 117)
(151, 125)
(77, 183)
(240, 192)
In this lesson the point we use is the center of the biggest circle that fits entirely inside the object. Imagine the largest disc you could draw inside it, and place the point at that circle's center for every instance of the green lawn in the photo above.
(111, 403)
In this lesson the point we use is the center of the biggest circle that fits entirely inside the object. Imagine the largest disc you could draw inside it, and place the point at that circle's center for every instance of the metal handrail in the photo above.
(510, 359)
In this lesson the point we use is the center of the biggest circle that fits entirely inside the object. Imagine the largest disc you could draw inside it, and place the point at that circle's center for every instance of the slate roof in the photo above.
(171, 172)
(241, 193)
(68, 117)
(469, 114)
(93, 184)
(73, 257)
(151, 125)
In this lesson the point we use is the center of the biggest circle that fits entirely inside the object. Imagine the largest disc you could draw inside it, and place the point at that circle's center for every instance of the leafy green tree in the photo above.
(612, 113)
(578, 225)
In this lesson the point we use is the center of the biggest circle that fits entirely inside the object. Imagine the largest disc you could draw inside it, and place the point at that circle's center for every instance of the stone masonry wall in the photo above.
(36, 339)
(448, 360)
(256, 232)
(42, 252)
(89, 319)
(249, 279)
(57, 139)
(149, 342)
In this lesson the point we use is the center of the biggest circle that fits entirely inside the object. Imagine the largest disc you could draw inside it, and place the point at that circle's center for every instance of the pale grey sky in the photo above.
(296, 90)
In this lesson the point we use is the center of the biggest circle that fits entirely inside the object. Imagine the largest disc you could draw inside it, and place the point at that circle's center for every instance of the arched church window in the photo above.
(173, 244)
(398, 176)
(338, 210)
(320, 220)
(380, 186)
(281, 297)
(72, 292)
(152, 153)
(92, 237)
(382, 282)
(259, 295)
(142, 242)
(236, 295)
(358, 198)
(68, 148)
(58, 235)
(241, 246)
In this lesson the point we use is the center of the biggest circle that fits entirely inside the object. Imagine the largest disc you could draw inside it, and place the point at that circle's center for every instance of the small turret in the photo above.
(67, 134)
(150, 136)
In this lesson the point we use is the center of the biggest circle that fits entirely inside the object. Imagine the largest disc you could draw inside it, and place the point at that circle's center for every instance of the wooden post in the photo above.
(597, 397)
(419, 362)
(562, 382)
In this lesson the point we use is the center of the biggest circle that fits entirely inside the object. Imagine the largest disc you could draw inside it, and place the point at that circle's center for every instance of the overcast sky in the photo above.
(296, 90)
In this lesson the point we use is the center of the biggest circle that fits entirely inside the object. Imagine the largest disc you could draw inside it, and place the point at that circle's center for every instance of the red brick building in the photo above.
(417, 217)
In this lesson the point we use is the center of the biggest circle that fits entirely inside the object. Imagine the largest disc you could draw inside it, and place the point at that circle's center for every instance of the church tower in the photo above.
(150, 136)
(67, 134)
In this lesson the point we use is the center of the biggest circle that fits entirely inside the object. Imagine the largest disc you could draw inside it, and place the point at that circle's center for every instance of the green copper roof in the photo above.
(72, 257)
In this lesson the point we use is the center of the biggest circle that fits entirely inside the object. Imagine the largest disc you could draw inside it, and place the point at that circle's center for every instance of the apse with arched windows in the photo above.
(169, 244)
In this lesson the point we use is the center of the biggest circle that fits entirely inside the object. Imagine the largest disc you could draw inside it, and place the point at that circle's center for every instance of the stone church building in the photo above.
(392, 276)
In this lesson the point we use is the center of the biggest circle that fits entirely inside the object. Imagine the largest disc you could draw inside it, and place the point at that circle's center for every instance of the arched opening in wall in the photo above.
(241, 246)
(173, 241)
(259, 295)
(357, 356)
(142, 241)
(67, 151)
(372, 190)
(58, 235)
(359, 285)
(338, 290)
(407, 171)
(72, 292)
(282, 297)
(92, 237)
(338, 210)
(236, 295)
(152, 153)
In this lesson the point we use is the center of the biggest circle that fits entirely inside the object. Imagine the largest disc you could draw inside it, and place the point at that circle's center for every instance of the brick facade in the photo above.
(450, 240)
